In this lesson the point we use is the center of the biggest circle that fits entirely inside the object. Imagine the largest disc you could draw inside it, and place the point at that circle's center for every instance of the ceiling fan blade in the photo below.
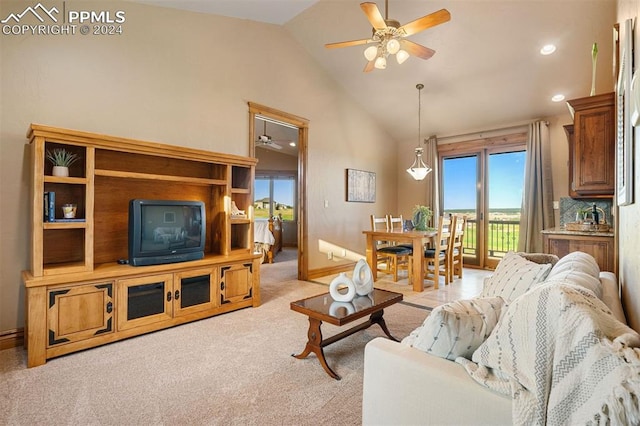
(347, 43)
(369, 67)
(428, 21)
(373, 15)
(416, 49)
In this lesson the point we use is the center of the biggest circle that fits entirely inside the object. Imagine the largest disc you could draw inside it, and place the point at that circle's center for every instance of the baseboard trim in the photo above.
(11, 338)
(323, 272)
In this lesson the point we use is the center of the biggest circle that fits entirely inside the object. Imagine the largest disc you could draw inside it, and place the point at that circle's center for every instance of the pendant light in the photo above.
(418, 169)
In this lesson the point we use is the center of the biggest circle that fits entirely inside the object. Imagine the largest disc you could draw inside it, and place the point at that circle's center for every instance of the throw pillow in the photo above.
(540, 257)
(458, 328)
(513, 276)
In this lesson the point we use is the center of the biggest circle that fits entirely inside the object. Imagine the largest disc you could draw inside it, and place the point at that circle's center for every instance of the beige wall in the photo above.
(185, 79)
(629, 216)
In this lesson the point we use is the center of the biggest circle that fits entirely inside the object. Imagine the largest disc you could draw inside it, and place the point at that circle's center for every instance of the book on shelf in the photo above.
(49, 206)
(68, 220)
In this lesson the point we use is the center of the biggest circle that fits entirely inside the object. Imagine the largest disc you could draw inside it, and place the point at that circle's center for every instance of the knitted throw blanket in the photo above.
(563, 358)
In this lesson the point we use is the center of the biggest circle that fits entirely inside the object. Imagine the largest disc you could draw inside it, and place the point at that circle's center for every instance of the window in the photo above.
(275, 195)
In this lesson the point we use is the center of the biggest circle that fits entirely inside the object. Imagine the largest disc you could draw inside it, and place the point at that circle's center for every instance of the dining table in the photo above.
(417, 239)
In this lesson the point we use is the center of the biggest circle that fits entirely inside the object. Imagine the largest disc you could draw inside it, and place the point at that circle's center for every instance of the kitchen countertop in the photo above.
(562, 231)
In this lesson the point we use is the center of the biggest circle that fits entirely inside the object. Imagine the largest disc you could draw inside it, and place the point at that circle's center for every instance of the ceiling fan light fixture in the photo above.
(401, 56)
(393, 46)
(371, 52)
(381, 63)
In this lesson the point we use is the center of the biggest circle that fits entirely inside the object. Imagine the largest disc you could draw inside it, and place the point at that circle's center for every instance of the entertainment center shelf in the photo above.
(78, 295)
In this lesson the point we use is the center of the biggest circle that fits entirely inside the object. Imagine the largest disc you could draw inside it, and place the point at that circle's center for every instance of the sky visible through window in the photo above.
(282, 191)
(506, 180)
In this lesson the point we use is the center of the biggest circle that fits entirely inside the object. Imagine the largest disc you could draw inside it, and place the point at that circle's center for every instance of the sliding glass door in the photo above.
(487, 187)
(460, 181)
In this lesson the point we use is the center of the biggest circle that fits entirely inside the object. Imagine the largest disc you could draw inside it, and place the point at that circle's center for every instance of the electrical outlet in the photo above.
(556, 205)
(326, 203)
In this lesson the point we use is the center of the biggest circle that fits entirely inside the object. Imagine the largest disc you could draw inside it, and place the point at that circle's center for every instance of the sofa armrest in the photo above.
(403, 385)
(611, 295)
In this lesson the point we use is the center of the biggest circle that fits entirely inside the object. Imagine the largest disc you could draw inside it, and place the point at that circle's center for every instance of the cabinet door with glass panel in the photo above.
(152, 299)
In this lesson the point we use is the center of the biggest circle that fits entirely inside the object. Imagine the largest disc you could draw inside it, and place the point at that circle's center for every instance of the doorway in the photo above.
(260, 118)
(486, 185)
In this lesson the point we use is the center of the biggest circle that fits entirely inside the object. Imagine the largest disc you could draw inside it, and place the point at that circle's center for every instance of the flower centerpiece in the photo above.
(61, 160)
(421, 215)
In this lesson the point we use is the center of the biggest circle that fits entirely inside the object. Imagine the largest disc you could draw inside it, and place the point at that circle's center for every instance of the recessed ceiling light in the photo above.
(548, 49)
(292, 144)
(557, 98)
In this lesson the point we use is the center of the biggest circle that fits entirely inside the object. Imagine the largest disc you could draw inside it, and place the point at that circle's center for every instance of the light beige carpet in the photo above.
(233, 369)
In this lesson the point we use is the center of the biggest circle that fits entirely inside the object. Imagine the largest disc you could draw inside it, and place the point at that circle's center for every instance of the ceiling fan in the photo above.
(265, 140)
(389, 37)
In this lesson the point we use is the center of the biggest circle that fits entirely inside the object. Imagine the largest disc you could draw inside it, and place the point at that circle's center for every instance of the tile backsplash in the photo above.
(569, 207)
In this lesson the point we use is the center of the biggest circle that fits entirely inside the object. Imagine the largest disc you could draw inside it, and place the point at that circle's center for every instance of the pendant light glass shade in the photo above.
(393, 46)
(401, 56)
(371, 52)
(418, 169)
(381, 63)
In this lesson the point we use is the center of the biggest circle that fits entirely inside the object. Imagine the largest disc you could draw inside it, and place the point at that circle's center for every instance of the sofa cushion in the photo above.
(579, 278)
(457, 328)
(513, 276)
(576, 261)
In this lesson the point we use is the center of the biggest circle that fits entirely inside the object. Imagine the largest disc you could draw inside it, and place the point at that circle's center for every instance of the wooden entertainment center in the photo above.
(77, 294)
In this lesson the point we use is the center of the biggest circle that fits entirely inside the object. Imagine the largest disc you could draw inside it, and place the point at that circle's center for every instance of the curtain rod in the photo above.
(481, 133)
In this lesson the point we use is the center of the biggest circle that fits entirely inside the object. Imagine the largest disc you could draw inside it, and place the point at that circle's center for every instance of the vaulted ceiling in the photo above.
(487, 71)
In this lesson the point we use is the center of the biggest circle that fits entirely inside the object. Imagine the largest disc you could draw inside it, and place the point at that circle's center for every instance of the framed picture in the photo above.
(624, 129)
(361, 186)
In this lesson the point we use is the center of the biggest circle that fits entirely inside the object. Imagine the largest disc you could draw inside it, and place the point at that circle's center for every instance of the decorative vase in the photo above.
(60, 171)
(343, 280)
(363, 278)
(420, 221)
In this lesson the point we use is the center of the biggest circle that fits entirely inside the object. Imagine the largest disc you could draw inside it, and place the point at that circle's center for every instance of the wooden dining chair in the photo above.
(396, 257)
(457, 247)
(437, 258)
(396, 224)
(382, 261)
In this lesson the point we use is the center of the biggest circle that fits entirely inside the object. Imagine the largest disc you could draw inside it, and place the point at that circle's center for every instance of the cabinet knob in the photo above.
(168, 296)
(222, 285)
(109, 307)
(177, 295)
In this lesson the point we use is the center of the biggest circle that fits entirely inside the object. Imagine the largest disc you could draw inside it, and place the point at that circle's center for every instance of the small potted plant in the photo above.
(421, 215)
(61, 160)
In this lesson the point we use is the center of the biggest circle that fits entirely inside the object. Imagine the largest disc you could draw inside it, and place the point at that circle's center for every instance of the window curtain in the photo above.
(432, 179)
(537, 198)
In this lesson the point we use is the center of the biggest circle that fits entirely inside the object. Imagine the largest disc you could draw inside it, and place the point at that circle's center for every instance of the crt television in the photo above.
(166, 231)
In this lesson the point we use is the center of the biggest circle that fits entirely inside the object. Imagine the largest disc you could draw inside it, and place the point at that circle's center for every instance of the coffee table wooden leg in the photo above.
(376, 318)
(314, 344)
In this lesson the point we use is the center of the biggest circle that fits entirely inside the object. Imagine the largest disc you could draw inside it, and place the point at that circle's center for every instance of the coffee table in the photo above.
(323, 308)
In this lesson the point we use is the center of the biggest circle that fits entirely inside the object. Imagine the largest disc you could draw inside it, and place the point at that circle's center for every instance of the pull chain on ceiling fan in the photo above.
(389, 37)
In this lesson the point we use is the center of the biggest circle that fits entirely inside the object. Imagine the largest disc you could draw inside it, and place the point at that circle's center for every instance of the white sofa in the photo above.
(406, 386)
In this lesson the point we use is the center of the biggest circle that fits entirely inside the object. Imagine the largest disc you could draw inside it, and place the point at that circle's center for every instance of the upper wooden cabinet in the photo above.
(592, 147)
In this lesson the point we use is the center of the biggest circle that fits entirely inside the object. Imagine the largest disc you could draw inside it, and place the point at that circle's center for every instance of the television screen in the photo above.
(165, 231)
